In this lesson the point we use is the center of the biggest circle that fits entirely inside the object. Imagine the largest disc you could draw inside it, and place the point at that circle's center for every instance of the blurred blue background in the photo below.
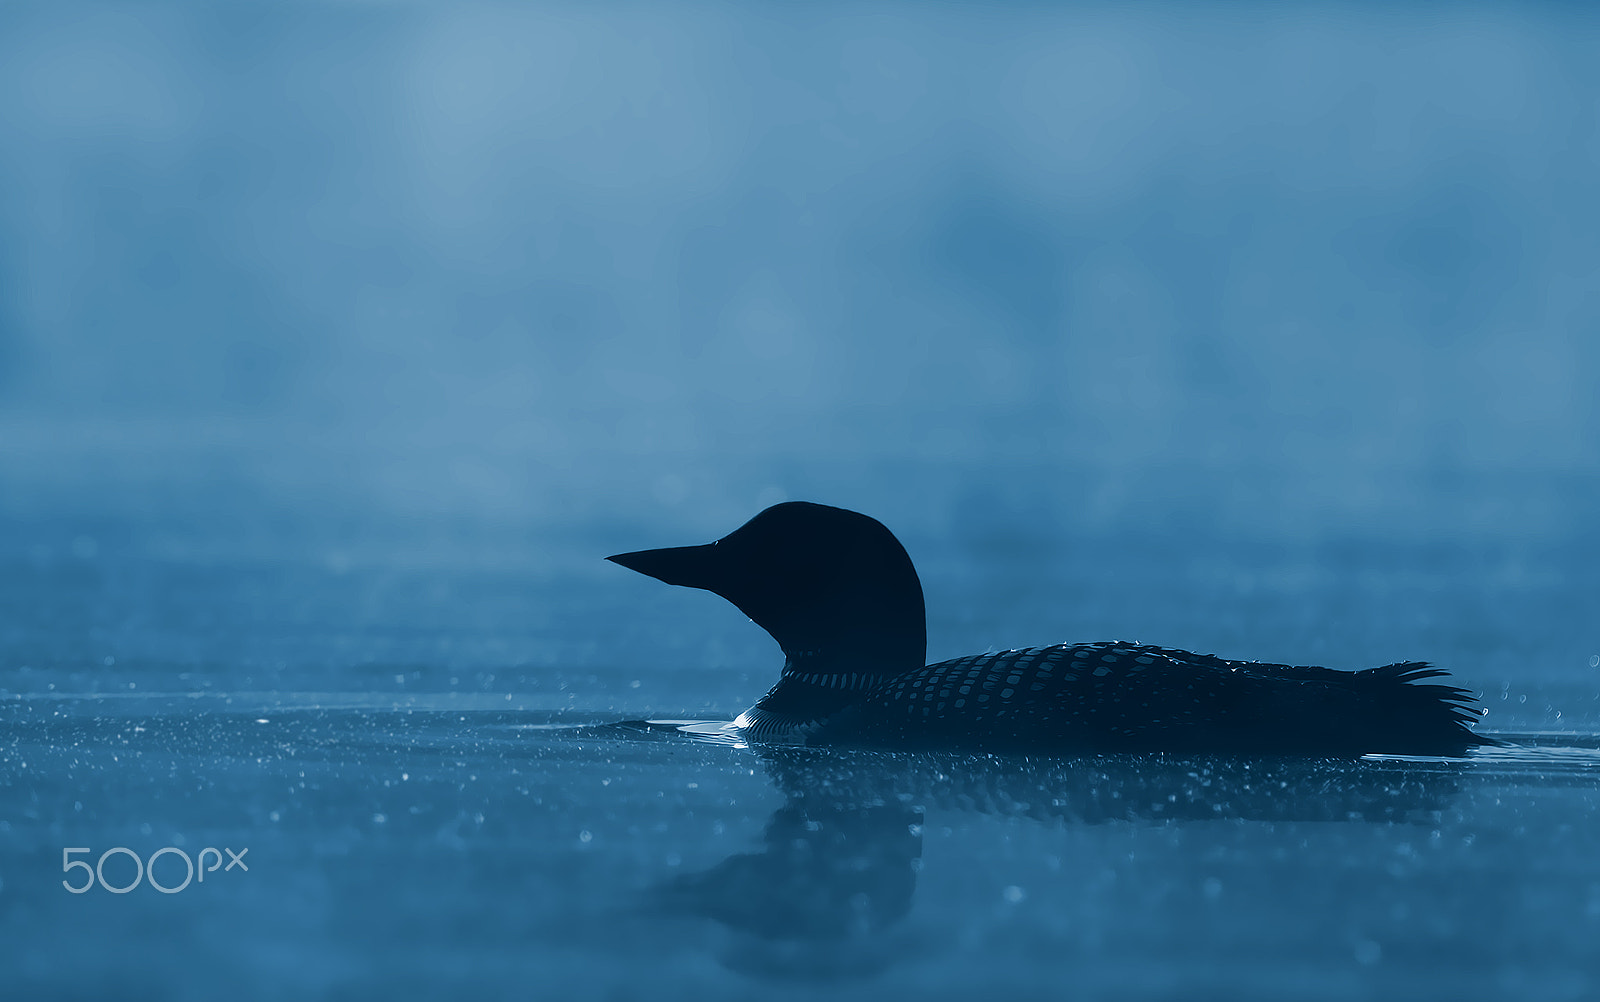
(1164, 280)
(340, 342)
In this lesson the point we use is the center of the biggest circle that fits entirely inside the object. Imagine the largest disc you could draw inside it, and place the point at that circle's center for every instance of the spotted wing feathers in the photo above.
(1122, 696)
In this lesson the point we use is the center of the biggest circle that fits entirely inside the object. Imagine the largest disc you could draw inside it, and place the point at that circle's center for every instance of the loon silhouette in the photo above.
(839, 594)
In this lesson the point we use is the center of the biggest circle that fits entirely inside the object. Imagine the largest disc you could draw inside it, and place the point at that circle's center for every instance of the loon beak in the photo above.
(690, 566)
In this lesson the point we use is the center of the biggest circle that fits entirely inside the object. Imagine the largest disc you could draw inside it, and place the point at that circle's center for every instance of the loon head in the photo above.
(833, 587)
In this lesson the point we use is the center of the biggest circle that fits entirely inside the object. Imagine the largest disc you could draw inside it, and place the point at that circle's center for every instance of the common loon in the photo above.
(839, 594)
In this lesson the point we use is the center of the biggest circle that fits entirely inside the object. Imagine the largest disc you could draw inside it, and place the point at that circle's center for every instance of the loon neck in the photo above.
(826, 670)
(813, 687)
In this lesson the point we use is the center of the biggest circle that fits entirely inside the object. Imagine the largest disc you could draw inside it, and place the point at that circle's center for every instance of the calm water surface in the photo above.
(437, 761)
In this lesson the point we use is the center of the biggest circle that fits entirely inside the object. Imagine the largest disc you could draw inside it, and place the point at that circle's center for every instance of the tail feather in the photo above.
(1439, 717)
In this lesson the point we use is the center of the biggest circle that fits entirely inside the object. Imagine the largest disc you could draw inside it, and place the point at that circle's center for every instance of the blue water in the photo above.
(426, 754)
(339, 343)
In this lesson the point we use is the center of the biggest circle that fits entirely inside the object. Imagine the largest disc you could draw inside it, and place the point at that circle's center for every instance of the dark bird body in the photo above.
(840, 595)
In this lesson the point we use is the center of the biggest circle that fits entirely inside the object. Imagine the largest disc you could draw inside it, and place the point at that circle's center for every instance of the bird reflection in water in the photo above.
(826, 895)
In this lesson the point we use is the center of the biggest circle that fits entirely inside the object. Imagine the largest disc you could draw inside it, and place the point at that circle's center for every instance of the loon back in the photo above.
(840, 595)
(1116, 697)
